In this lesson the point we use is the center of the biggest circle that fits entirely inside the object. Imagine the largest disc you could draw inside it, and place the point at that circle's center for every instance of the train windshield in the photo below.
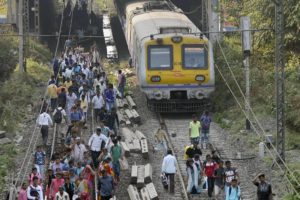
(194, 56)
(159, 57)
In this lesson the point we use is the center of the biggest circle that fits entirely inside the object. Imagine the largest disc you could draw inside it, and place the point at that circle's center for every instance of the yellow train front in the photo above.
(174, 62)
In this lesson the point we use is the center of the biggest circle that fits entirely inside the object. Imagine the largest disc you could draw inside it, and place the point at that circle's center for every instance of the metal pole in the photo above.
(280, 76)
(21, 37)
(246, 42)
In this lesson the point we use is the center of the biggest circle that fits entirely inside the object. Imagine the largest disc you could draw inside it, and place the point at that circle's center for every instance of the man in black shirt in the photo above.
(193, 150)
(264, 189)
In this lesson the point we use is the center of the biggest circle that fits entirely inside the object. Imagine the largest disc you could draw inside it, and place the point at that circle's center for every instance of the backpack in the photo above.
(57, 116)
(230, 188)
(34, 192)
(123, 80)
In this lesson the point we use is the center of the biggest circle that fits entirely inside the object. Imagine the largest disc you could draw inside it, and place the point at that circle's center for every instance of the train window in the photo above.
(194, 56)
(160, 57)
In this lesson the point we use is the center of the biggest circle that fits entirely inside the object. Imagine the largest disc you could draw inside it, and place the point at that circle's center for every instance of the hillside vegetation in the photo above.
(263, 92)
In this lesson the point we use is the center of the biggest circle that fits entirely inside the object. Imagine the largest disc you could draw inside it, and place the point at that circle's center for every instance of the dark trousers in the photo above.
(95, 155)
(171, 186)
(210, 186)
(53, 103)
(44, 131)
(97, 114)
(106, 197)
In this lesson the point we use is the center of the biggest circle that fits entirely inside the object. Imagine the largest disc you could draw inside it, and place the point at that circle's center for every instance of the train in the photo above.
(173, 59)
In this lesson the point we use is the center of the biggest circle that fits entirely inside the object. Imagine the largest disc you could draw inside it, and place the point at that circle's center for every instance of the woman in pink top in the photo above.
(34, 173)
(23, 192)
(55, 184)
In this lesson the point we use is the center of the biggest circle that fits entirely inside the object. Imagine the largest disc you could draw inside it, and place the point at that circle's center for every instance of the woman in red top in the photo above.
(209, 168)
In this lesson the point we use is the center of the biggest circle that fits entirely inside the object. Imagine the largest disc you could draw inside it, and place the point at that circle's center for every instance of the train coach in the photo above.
(173, 60)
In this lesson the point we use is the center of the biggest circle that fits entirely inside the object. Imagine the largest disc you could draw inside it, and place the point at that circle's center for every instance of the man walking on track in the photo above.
(194, 130)
(121, 83)
(169, 168)
(96, 142)
(264, 189)
(44, 120)
(205, 120)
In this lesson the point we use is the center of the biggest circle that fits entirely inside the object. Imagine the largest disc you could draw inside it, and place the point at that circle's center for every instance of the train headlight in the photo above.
(199, 95)
(158, 95)
(155, 78)
(200, 78)
(176, 39)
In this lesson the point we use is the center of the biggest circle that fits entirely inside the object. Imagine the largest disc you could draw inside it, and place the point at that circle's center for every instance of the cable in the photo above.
(257, 121)
(252, 124)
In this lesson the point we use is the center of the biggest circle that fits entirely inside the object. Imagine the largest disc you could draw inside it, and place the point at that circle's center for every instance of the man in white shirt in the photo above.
(96, 143)
(34, 191)
(61, 194)
(98, 103)
(78, 150)
(68, 72)
(85, 70)
(58, 114)
(44, 121)
(169, 168)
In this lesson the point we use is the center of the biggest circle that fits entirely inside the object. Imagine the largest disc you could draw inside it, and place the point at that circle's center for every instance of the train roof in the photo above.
(154, 21)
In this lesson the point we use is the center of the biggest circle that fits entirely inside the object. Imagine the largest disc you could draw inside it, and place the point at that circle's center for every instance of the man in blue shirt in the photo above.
(105, 186)
(234, 191)
(39, 161)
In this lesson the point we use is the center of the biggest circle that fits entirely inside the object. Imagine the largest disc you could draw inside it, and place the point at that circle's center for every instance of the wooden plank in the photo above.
(140, 135)
(140, 176)
(152, 191)
(144, 148)
(121, 117)
(131, 102)
(129, 114)
(128, 134)
(125, 148)
(134, 174)
(136, 146)
(133, 193)
(148, 173)
(119, 103)
(130, 146)
(145, 194)
(136, 116)
(125, 103)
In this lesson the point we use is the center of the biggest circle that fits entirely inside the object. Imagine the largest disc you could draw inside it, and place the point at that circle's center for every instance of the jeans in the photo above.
(121, 90)
(41, 170)
(161, 146)
(171, 178)
(53, 103)
(116, 168)
(210, 186)
(97, 112)
(109, 106)
(195, 140)
(204, 136)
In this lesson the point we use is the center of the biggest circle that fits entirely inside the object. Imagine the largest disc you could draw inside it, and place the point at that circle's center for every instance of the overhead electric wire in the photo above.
(257, 121)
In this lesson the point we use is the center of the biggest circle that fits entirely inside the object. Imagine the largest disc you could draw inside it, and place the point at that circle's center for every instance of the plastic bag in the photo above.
(124, 164)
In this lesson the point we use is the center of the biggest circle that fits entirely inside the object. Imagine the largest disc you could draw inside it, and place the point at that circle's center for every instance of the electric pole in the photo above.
(21, 37)
(246, 42)
(280, 76)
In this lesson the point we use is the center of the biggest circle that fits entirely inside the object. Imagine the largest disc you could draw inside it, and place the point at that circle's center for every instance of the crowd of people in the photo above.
(208, 174)
(79, 85)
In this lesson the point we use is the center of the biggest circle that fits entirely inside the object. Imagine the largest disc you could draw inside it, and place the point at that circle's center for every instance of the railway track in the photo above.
(179, 126)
